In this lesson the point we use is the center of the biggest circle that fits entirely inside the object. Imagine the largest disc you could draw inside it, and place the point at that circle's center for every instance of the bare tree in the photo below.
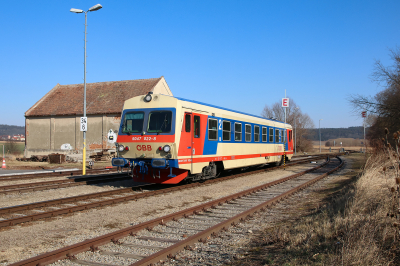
(294, 116)
(384, 107)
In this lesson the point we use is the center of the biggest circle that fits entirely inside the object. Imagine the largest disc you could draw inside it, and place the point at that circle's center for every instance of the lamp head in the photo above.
(74, 10)
(95, 7)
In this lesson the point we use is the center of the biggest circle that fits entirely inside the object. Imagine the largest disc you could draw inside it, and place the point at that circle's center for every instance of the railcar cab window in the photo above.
(160, 122)
(264, 134)
(248, 133)
(133, 122)
(276, 135)
(226, 131)
(256, 133)
(238, 132)
(212, 129)
(271, 134)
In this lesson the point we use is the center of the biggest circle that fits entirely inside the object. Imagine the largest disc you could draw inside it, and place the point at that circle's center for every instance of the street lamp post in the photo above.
(320, 135)
(74, 10)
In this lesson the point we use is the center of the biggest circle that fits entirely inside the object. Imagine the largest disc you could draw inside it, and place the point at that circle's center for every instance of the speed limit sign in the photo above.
(83, 123)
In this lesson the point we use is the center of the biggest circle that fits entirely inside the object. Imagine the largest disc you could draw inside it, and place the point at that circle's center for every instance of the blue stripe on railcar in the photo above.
(211, 146)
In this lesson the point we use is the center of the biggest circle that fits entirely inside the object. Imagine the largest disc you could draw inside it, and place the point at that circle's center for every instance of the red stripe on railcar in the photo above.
(144, 138)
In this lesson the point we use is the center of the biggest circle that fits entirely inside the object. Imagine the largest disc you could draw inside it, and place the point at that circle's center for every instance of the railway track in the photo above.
(62, 183)
(55, 173)
(161, 238)
(10, 216)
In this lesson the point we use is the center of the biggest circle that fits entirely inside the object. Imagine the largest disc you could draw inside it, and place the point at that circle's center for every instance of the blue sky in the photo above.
(240, 55)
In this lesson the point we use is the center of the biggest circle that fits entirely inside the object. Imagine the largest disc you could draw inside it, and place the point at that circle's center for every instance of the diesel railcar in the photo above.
(164, 139)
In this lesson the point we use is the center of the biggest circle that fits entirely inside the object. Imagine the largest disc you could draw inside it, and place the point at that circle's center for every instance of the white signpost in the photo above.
(111, 136)
(83, 123)
(285, 102)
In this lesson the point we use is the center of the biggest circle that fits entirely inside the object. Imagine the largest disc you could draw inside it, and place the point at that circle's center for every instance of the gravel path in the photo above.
(23, 242)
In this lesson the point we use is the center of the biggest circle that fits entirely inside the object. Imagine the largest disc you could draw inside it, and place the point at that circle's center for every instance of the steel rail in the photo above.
(54, 174)
(92, 244)
(86, 206)
(38, 186)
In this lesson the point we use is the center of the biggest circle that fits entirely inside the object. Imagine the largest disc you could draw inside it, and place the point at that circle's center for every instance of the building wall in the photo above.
(162, 88)
(45, 135)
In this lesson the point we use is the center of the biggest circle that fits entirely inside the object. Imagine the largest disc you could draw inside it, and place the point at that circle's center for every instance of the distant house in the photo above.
(5, 137)
(53, 123)
(18, 138)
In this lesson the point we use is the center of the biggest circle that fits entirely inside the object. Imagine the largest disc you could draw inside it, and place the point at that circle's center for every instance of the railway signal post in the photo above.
(285, 104)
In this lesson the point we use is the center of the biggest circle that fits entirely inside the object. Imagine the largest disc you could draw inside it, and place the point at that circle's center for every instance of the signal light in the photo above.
(127, 148)
(160, 148)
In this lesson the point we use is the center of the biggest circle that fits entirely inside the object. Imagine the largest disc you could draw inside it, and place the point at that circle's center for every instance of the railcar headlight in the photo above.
(121, 147)
(167, 148)
(148, 97)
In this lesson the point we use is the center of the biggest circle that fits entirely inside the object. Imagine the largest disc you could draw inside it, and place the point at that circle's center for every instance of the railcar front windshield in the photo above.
(160, 122)
(133, 122)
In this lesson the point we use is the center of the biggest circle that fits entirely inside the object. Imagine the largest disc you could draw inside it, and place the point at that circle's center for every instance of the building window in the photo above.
(248, 133)
(264, 134)
(226, 131)
(238, 132)
(276, 135)
(271, 134)
(196, 126)
(256, 133)
(212, 129)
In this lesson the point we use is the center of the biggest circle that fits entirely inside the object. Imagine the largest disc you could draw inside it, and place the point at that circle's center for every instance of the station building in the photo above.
(53, 123)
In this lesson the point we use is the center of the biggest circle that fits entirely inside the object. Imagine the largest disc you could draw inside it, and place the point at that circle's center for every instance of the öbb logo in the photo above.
(143, 147)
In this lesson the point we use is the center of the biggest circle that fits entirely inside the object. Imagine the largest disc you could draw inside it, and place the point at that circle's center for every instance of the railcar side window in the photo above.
(187, 122)
(133, 122)
(271, 134)
(196, 126)
(238, 132)
(248, 133)
(226, 131)
(212, 129)
(264, 134)
(256, 133)
(160, 122)
(277, 135)
(283, 134)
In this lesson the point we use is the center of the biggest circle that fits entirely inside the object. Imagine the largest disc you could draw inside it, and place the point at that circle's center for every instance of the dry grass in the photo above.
(353, 224)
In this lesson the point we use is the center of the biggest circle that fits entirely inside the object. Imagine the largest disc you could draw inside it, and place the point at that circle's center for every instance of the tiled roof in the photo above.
(101, 97)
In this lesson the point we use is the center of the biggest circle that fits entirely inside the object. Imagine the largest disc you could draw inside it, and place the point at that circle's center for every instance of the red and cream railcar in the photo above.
(164, 139)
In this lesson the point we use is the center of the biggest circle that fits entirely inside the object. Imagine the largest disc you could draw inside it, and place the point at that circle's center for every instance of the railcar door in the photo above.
(192, 138)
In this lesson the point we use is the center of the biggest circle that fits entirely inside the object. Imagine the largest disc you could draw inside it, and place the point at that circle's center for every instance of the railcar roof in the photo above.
(226, 109)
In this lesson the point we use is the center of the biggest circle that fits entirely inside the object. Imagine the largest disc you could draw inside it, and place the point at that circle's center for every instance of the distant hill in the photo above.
(336, 133)
(11, 130)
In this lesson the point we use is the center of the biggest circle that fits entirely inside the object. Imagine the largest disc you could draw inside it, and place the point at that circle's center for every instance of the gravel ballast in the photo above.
(22, 242)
